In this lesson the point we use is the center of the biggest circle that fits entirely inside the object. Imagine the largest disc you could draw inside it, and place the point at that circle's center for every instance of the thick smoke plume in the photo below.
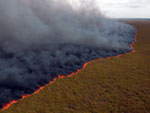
(40, 39)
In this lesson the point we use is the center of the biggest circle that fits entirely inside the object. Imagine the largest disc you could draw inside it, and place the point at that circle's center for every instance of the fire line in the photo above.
(7, 105)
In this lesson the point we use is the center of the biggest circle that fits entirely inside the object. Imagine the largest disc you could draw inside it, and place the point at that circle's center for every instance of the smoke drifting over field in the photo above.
(40, 39)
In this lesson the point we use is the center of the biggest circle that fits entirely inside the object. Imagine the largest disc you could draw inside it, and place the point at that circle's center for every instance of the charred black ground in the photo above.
(41, 40)
(22, 74)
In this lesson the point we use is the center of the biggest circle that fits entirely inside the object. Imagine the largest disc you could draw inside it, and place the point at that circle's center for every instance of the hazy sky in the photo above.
(125, 8)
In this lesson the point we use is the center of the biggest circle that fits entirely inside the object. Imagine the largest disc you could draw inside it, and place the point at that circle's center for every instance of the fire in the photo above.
(7, 105)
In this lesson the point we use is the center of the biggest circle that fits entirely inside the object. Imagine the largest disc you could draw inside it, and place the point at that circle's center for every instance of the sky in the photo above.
(125, 8)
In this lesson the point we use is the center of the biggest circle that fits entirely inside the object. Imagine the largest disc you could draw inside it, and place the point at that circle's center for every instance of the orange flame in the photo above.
(7, 105)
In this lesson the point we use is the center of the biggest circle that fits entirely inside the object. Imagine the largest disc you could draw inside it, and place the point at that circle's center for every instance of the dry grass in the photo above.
(116, 85)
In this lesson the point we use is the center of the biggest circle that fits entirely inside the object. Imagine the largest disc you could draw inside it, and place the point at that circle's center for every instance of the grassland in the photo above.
(116, 85)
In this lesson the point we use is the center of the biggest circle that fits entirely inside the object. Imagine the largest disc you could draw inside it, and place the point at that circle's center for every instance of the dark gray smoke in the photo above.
(41, 39)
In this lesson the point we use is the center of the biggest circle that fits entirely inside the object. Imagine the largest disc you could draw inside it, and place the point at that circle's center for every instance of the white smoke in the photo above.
(36, 24)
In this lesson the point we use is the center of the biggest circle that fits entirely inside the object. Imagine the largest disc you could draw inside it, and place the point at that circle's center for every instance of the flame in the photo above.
(7, 105)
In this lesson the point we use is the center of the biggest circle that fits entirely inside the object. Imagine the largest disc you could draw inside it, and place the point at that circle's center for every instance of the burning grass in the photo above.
(110, 85)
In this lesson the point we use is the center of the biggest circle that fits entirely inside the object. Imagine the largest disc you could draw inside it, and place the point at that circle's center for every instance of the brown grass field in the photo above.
(116, 85)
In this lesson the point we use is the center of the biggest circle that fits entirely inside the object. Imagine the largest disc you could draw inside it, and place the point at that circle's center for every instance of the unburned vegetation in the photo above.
(115, 85)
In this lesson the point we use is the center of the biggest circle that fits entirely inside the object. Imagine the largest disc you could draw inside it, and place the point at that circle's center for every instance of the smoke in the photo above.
(40, 39)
